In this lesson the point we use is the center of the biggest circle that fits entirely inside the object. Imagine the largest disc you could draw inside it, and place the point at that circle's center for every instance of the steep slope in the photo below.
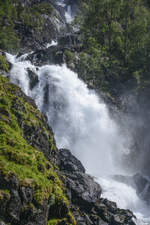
(28, 24)
(30, 189)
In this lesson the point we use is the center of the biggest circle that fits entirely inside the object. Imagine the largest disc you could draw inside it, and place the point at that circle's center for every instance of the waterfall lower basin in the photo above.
(81, 122)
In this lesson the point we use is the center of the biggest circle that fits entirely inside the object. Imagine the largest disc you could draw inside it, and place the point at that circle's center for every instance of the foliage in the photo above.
(4, 65)
(15, 15)
(116, 43)
(69, 55)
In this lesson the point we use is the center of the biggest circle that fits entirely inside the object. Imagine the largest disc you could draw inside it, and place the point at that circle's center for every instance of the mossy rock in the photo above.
(20, 159)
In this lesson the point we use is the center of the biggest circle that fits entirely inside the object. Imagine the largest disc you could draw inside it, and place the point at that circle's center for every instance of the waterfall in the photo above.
(68, 14)
(81, 122)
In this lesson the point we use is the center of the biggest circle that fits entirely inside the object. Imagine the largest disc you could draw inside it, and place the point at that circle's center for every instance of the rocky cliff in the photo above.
(39, 184)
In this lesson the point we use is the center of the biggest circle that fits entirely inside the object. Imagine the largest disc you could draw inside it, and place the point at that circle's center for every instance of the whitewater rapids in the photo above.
(81, 123)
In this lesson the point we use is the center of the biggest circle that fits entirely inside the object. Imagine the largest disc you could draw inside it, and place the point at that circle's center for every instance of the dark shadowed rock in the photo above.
(84, 190)
(69, 163)
(109, 212)
(33, 78)
(10, 182)
(85, 195)
(51, 55)
(26, 194)
(14, 206)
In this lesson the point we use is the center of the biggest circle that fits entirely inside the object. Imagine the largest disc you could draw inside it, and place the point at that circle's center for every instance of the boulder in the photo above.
(33, 78)
(109, 212)
(14, 206)
(84, 191)
(69, 163)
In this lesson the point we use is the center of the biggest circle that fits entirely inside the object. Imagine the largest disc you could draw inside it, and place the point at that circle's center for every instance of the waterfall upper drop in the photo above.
(78, 117)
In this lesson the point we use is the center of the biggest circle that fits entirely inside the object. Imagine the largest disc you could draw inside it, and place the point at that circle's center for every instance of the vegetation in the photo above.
(19, 158)
(17, 18)
(116, 44)
(4, 65)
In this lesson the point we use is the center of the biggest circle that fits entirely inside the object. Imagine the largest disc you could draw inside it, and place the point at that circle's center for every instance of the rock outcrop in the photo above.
(85, 195)
(31, 191)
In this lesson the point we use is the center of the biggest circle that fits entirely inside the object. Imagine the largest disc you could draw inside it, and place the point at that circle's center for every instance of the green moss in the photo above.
(70, 56)
(18, 157)
(4, 65)
(59, 221)
(54, 222)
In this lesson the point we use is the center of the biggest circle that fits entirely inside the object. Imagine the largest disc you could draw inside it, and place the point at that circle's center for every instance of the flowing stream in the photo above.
(81, 123)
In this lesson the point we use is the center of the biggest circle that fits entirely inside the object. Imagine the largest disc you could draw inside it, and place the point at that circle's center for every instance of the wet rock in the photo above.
(51, 55)
(85, 194)
(69, 163)
(34, 215)
(26, 194)
(84, 190)
(9, 183)
(58, 210)
(56, 54)
(109, 212)
(33, 78)
(14, 206)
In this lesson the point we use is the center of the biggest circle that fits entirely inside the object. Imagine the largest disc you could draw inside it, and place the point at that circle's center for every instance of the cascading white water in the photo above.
(68, 14)
(68, 11)
(81, 122)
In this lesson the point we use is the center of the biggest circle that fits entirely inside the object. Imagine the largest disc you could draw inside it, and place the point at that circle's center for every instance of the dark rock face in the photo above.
(14, 205)
(70, 163)
(84, 191)
(85, 195)
(51, 55)
(33, 37)
(56, 54)
(33, 79)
